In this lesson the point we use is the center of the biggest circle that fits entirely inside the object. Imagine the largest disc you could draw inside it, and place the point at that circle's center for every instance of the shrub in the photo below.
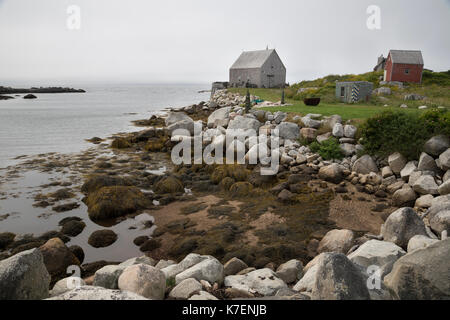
(328, 149)
(402, 132)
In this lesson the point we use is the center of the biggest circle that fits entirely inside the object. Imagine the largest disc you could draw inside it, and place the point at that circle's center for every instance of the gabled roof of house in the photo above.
(252, 59)
(406, 56)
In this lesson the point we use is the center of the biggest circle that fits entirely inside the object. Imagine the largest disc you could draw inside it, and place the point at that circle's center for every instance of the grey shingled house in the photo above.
(261, 69)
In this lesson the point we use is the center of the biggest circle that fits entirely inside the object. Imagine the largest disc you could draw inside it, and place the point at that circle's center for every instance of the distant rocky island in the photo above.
(9, 90)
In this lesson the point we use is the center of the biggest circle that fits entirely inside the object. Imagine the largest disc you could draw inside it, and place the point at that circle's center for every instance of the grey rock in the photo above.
(233, 266)
(424, 201)
(437, 145)
(419, 242)
(290, 271)
(397, 162)
(24, 277)
(441, 222)
(386, 172)
(444, 188)
(349, 131)
(444, 160)
(164, 263)
(65, 285)
(210, 270)
(203, 296)
(422, 274)
(339, 279)
(323, 137)
(138, 260)
(379, 253)
(288, 130)
(426, 185)
(338, 130)
(185, 289)
(244, 123)
(332, 120)
(404, 197)
(333, 173)
(427, 163)
(218, 117)
(262, 281)
(311, 123)
(143, 280)
(348, 149)
(409, 168)
(108, 276)
(97, 293)
(174, 117)
(190, 260)
(365, 165)
(336, 241)
(402, 225)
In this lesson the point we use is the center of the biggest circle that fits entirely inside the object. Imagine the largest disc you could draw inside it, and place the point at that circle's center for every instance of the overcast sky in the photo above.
(184, 41)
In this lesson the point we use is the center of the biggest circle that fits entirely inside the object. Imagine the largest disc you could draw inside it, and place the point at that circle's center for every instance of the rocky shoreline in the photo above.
(309, 232)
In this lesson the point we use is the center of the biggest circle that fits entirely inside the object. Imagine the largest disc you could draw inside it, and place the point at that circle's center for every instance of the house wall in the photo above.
(239, 77)
(396, 72)
(273, 66)
(259, 76)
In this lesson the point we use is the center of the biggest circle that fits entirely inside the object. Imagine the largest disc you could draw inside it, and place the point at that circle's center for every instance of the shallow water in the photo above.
(62, 122)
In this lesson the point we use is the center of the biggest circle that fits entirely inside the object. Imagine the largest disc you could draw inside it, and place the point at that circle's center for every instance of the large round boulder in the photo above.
(422, 274)
(57, 257)
(337, 278)
(143, 280)
(365, 165)
(333, 173)
(436, 145)
(24, 277)
(337, 241)
(402, 225)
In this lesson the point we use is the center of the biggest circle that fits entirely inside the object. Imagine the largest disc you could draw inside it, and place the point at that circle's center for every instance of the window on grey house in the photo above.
(342, 91)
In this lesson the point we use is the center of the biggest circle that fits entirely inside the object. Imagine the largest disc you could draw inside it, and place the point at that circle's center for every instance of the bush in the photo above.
(328, 149)
(402, 132)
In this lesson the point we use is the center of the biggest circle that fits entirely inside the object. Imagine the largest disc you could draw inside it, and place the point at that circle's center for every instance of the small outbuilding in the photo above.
(353, 91)
(260, 69)
(404, 66)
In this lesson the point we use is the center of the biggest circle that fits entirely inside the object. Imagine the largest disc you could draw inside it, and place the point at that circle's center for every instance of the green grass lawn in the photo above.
(346, 111)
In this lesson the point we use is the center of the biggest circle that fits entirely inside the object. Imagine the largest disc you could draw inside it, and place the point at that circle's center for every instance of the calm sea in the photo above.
(62, 122)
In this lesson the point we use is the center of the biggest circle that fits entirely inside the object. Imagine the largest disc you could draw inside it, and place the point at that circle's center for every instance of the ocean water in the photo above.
(62, 122)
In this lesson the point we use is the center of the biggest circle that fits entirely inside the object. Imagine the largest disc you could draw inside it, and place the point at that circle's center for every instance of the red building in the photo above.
(404, 66)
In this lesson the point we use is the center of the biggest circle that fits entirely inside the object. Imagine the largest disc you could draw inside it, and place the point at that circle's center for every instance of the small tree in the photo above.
(248, 104)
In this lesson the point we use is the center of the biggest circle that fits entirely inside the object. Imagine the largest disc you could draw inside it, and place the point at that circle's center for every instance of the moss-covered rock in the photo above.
(156, 144)
(241, 189)
(6, 238)
(226, 183)
(102, 238)
(96, 182)
(235, 171)
(168, 185)
(115, 201)
(120, 143)
(73, 228)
